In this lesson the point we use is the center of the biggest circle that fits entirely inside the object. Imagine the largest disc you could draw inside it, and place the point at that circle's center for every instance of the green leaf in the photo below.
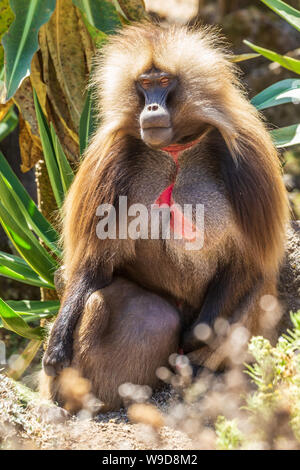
(290, 14)
(134, 10)
(8, 123)
(6, 18)
(65, 170)
(99, 37)
(14, 322)
(286, 62)
(123, 18)
(286, 136)
(30, 307)
(34, 310)
(25, 242)
(88, 122)
(21, 40)
(23, 361)
(35, 317)
(49, 153)
(242, 57)
(16, 268)
(100, 14)
(34, 218)
(285, 91)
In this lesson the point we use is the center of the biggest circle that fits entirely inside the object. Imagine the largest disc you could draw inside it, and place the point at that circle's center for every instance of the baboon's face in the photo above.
(162, 119)
(165, 86)
(156, 88)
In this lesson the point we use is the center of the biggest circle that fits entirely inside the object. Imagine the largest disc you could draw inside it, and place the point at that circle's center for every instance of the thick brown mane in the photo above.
(122, 294)
(210, 93)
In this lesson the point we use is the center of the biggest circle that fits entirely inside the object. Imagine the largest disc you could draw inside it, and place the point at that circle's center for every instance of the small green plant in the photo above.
(272, 411)
(229, 437)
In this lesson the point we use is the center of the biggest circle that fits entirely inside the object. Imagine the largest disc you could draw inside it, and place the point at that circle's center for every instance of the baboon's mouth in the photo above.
(157, 137)
(160, 137)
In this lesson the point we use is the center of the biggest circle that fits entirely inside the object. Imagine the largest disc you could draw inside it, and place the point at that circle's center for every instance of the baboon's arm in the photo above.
(60, 347)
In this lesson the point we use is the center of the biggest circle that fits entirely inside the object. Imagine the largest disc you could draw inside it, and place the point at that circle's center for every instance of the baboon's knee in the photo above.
(164, 326)
(124, 335)
(93, 322)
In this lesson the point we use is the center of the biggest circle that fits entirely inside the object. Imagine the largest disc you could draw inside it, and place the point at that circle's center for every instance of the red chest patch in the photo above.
(179, 224)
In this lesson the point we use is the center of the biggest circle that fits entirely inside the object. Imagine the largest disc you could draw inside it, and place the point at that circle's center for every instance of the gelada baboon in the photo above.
(175, 128)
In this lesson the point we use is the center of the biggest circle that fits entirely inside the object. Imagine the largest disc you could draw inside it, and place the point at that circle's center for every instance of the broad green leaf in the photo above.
(88, 122)
(65, 170)
(242, 57)
(285, 91)
(16, 268)
(17, 369)
(8, 123)
(30, 307)
(134, 10)
(14, 322)
(290, 14)
(25, 242)
(33, 310)
(123, 18)
(6, 18)
(2, 85)
(286, 136)
(286, 62)
(33, 217)
(36, 317)
(49, 153)
(11, 274)
(101, 14)
(99, 37)
(21, 40)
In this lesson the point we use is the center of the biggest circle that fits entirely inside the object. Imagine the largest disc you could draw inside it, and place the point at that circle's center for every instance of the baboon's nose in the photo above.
(155, 115)
(153, 107)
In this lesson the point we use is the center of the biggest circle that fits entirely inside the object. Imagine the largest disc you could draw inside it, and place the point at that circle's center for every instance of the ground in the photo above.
(25, 423)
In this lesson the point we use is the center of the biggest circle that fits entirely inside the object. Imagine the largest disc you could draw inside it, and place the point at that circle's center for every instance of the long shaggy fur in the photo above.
(209, 92)
(234, 171)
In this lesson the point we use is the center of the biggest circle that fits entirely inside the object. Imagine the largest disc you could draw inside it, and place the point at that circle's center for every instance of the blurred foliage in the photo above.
(272, 411)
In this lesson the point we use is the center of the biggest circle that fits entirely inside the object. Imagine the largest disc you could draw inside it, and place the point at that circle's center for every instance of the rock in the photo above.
(52, 414)
(289, 283)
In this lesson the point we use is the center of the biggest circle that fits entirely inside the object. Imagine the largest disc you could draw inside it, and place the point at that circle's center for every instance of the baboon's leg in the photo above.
(124, 335)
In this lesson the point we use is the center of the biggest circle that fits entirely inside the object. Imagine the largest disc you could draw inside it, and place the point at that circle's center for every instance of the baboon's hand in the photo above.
(56, 358)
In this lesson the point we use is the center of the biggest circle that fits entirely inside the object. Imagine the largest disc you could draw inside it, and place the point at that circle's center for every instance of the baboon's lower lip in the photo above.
(157, 137)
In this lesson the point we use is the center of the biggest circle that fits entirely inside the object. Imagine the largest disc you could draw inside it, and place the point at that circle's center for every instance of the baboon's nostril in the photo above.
(153, 107)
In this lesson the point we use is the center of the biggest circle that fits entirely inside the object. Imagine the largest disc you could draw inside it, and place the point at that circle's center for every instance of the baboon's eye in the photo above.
(146, 83)
(164, 81)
